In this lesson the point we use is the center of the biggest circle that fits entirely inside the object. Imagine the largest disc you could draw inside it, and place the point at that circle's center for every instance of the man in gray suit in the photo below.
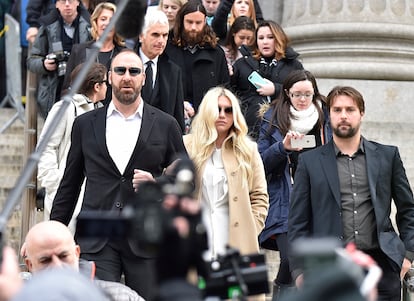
(165, 89)
(125, 138)
(344, 190)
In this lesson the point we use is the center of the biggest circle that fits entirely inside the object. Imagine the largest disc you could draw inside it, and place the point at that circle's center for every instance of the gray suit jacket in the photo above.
(315, 208)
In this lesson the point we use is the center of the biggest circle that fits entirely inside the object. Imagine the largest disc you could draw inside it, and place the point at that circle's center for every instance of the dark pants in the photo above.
(116, 258)
(283, 276)
(389, 287)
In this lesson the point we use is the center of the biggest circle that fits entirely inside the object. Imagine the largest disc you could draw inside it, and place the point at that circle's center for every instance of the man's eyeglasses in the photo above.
(227, 110)
(105, 81)
(300, 95)
(133, 71)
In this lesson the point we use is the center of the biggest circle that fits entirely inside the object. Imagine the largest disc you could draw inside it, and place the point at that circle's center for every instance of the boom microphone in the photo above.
(131, 20)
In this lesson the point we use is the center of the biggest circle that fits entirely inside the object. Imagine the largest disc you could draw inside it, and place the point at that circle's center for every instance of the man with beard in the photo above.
(193, 47)
(344, 188)
(164, 90)
(108, 147)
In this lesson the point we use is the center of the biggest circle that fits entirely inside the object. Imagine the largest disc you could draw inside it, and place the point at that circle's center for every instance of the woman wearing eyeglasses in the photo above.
(112, 45)
(273, 60)
(53, 160)
(231, 184)
(300, 110)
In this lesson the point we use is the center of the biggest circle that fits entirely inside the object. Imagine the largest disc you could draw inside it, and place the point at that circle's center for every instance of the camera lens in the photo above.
(62, 68)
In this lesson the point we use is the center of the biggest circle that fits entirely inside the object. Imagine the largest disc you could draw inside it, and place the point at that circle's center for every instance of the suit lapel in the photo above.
(330, 169)
(148, 119)
(373, 163)
(99, 128)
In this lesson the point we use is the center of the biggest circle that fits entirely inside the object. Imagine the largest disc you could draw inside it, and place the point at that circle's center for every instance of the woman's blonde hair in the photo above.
(118, 40)
(204, 133)
(252, 14)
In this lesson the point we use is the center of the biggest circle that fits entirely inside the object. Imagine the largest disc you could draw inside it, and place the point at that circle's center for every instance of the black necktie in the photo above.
(147, 91)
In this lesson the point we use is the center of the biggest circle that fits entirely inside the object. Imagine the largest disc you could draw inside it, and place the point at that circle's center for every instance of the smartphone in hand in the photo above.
(256, 79)
(307, 141)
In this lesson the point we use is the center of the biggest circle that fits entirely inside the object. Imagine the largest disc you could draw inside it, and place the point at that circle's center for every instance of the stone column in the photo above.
(368, 44)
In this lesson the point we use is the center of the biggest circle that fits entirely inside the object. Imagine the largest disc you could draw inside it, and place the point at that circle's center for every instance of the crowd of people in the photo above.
(215, 82)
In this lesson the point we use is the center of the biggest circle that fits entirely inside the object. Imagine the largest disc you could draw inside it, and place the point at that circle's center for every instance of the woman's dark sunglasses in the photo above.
(227, 110)
(133, 71)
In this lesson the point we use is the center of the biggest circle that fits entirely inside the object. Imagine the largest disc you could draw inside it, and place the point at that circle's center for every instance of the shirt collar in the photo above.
(145, 59)
(193, 49)
(112, 110)
(361, 149)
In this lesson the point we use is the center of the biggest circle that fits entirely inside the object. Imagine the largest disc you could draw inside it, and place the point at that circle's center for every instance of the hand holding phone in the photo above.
(256, 79)
(307, 141)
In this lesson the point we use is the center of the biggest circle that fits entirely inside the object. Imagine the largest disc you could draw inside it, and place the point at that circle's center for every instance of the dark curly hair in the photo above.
(209, 37)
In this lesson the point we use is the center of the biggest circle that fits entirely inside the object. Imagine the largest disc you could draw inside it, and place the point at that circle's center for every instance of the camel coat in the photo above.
(247, 205)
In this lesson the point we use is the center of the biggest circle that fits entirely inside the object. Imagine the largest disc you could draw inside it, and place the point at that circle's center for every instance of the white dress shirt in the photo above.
(122, 134)
(215, 206)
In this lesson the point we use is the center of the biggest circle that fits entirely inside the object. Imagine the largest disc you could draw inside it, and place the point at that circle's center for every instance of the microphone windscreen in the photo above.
(130, 22)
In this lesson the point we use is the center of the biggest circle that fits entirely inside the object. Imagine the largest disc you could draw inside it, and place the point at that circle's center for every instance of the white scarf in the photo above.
(304, 121)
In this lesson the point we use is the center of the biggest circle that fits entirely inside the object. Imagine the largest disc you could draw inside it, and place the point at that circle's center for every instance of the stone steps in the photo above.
(11, 163)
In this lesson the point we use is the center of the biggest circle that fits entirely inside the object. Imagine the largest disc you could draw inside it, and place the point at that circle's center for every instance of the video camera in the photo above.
(146, 221)
(409, 280)
(60, 57)
(328, 269)
(236, 276)
(150, 224)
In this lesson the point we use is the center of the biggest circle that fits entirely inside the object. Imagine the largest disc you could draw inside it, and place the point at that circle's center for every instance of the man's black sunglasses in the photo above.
(133, 71)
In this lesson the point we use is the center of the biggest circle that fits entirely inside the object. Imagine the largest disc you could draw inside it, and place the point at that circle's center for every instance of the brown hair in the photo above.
(209, 37)
(281, 39)
(252, 13)
(347, 91)
(281, 113)
(240, 23)
(96, 74)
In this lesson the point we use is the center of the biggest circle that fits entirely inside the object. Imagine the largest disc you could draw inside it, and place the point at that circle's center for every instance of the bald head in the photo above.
(50, 244)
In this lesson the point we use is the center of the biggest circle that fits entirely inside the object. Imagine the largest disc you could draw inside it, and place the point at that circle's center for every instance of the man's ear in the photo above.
(29, 264)
(77, 251)
(110, 77)
(96, 87)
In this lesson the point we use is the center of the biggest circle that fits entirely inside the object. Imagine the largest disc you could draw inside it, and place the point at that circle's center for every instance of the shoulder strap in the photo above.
(247, 55)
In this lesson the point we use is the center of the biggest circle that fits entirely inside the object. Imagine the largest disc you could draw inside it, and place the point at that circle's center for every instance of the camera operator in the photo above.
(333, 273)
(181, 250)
(164, 220)
(62, 27)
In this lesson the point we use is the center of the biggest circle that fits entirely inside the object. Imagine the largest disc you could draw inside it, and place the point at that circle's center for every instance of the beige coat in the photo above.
(52, 163)
(247, 205)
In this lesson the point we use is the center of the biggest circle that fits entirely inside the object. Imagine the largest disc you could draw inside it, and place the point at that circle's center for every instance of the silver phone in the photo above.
(307, 141)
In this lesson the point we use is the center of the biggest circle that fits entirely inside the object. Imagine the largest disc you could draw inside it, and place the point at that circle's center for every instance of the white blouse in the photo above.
(215, 206)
